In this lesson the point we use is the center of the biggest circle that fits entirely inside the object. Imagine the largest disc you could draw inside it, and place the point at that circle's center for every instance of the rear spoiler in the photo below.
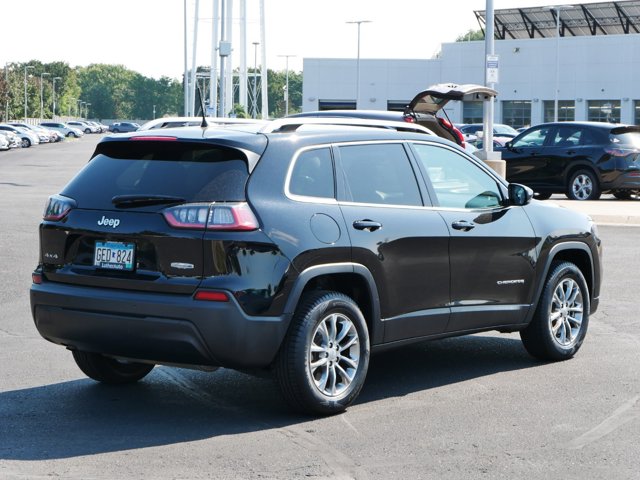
(625, 129)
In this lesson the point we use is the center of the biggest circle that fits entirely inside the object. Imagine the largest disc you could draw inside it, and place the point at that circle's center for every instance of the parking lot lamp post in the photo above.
(53, 114)
(358, 22)
(26, 67)
(254, 102)
(86, 109)
(286, 86)
(43, 74)
(557, 11)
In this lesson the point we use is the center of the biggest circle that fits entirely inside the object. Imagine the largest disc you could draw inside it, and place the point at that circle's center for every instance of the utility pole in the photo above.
(286, 86)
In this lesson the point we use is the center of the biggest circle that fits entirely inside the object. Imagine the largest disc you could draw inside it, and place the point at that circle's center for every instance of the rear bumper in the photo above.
(155, 327)
(628, 180)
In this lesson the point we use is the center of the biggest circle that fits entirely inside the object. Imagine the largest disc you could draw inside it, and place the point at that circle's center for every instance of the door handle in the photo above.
(463, 225)
(368, 225)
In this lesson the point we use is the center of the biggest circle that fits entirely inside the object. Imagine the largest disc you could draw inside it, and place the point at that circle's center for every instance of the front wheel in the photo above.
(109, 370)
(583, 185)
(561, 319)
(26, 143)
(324, 359)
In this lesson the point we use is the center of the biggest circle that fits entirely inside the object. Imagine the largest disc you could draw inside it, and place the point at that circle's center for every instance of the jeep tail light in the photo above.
(211, 296)
(57, 207)
(215, 216)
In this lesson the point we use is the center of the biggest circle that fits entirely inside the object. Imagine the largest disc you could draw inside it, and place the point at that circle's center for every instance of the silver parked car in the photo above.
(66, 130)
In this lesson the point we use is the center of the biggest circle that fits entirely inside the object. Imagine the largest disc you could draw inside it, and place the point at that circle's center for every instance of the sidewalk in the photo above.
(606, 211)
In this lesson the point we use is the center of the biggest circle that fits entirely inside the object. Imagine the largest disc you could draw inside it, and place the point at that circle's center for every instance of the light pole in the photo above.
(43, 74)
(557, 11)
(79, 107)
(86, 109)
(286, 87)
(358, 22)
(26, 67)
(254, 102)
(53, 114)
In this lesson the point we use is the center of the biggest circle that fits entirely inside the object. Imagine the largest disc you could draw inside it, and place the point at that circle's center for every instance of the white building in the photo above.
(598, 76)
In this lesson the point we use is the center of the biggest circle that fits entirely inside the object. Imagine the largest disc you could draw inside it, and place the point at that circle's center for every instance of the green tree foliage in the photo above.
(471, 36)
(277, 92)
(115, 92)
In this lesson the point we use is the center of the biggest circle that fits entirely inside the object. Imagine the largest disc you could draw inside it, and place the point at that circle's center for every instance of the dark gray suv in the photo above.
(301, 249)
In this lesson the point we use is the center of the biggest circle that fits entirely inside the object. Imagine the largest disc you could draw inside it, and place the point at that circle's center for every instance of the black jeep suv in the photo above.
(301, 249)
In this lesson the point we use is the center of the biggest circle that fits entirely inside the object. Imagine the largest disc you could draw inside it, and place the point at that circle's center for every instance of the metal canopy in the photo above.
(584, 19)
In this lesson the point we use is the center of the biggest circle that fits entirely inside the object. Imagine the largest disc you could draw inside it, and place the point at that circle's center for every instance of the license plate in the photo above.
(114, 255)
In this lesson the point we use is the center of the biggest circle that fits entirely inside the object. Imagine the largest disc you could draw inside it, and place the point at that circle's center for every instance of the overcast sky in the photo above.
(147, 35)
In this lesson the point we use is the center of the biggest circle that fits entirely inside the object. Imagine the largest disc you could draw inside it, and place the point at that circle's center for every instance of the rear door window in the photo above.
(194, 172)
(379, 174)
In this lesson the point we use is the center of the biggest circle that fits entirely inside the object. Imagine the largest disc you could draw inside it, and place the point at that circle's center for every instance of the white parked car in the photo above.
(66, 130)
(86, 127)
(27, 136)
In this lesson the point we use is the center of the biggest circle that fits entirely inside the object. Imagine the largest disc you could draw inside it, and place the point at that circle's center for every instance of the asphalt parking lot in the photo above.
(469, 407)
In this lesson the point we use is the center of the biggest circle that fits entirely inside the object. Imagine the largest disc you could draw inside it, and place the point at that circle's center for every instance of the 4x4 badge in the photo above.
(109, 222)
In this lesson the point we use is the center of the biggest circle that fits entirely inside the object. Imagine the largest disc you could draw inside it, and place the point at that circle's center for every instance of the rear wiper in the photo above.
(141, 200)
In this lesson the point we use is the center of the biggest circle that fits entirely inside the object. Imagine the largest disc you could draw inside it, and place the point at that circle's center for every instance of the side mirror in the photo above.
(519, 195)
(509, 144)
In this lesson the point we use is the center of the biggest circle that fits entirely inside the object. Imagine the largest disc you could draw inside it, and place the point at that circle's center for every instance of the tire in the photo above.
(323, 362)
(542, 196)
(583, 185)
(108, 370)
(115, 130)
(26, 143)
(624, 195)
(87, 131)
(561, 319)
(70, 134)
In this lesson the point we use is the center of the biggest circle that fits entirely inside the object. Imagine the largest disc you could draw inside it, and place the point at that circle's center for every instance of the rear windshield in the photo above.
(631, 139)
(194, 172)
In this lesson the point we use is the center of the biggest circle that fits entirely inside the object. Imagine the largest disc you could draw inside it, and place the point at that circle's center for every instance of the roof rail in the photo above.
(283, 125)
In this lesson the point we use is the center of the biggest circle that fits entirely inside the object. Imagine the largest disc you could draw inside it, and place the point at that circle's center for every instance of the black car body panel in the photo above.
(417, 267)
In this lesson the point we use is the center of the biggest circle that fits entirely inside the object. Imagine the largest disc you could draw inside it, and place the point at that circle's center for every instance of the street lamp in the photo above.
(41, 90)
(254, 102)
(286, 88)
(557, 11)
(26, 67)
(54, 96)
(79, 107)
(86, 109)
(358, 22)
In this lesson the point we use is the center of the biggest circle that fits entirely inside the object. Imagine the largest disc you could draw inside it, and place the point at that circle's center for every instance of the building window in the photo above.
(472, 112)
(397, 105)
(516, 113)
(566, 110)
(604, 111)
(336, 105)
(636, 110)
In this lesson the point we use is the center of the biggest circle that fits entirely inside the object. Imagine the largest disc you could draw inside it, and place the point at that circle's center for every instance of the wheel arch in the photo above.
(351, 279)
(581, 165)
(577, 253)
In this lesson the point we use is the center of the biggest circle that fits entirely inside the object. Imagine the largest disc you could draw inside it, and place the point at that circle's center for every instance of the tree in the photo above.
(277, 92)
(471, 35)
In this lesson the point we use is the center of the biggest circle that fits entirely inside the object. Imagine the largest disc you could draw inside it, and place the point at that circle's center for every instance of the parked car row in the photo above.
(17, 134)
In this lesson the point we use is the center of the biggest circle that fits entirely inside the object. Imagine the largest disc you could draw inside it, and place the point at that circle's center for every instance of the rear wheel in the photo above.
(109, 370)
(583, 185)
(560, 322)
(324, 359)
(626, 195)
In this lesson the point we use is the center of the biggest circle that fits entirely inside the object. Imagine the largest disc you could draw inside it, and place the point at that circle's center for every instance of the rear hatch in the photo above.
(134, 217)
(434, 98)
